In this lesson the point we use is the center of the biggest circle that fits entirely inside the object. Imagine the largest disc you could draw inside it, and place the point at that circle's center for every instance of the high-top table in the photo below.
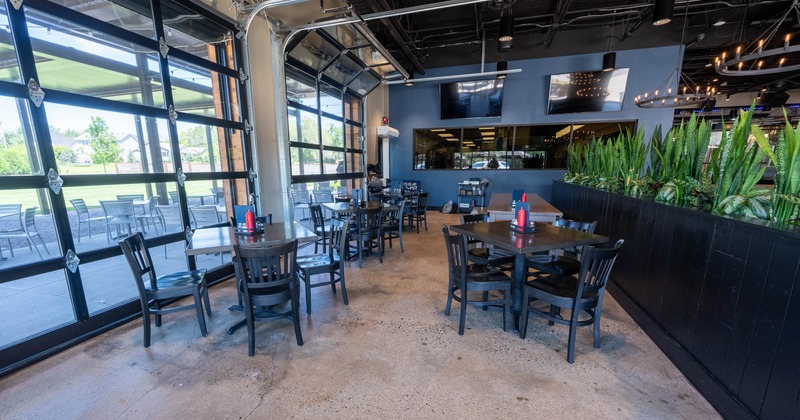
(541, 211)
(546, 238)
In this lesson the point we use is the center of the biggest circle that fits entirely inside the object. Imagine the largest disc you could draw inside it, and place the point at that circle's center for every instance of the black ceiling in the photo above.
(544, 28)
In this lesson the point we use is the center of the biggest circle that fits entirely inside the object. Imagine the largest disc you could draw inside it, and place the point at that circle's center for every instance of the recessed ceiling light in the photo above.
(708, 65)
(438, 130)
(720, 22)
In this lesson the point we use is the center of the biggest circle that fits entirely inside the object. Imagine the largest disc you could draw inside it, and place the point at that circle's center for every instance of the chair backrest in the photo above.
(587, 227)
(422, 203)
(170, 217)
(392, 215)
(29, 219)
(317, 218)
(338, 238)
(412, 203)
(267, 220)
(265, 268)
(130, 196)
(596, 265)
(456, 254)
(138, 256)
(151, 207)
(117, 208)
(368, 221)
(80, 208)
(300, 197)
(468, 219)
(173, 197)
(204, 216)
(12, 208)
(323, 196)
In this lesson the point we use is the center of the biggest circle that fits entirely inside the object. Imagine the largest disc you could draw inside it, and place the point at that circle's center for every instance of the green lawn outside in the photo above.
(93, 195)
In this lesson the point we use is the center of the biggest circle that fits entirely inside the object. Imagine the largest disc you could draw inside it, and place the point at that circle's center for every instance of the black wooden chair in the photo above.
(480, 253)
(331, 263)
(320, 227)
(583, 296)
(392, 225)
(368, 222)
(568, 263)
(154, 290)
(465, 278)
(268, 279)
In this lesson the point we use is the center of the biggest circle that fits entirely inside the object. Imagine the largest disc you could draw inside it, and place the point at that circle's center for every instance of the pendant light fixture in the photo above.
(505, 36)
(502, 66)
(609, 61)
(662, 13)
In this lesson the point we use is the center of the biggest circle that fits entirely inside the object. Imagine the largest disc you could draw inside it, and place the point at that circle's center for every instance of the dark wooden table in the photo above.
(222, 239)
(540, 210)
(347, 208)
(546, 238)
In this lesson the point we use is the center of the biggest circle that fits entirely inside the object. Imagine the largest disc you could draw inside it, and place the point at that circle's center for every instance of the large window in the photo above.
(507, 147)
(131, 127)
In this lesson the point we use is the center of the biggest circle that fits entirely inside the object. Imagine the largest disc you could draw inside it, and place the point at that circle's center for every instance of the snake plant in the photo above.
(786, 158)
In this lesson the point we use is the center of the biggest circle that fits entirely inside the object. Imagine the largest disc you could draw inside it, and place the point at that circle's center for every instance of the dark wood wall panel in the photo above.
(722, 294)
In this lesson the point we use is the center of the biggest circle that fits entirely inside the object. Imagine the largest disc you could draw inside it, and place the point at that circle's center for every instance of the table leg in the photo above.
(516, 288)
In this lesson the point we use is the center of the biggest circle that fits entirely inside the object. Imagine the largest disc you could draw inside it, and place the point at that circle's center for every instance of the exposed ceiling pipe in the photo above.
(387, 14)
(398, 33)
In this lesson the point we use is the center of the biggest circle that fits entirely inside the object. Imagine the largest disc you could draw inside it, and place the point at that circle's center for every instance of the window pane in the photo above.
(487, 148)
(352, 108)
(196, 90)
(332, 132)
(305, 161)
(541, 146)
(10, 69)
(90, 141)
(201, 193)
(134, 17)
(437, 149)
(27, 230)
(19, 153)
(355, 162)
(98, 216)
(353, 139)
(314, 51)
(234, 153)
(303, 127)
(109, 282)
(331, 161)
(97, 64)
(191, 32)
(33, 305)
(330, 99)
(301, 88)
(200, 147)
(343, 70)
(364, 83)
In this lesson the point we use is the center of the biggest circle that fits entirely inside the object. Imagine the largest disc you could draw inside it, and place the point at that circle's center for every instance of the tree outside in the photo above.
(103, 143)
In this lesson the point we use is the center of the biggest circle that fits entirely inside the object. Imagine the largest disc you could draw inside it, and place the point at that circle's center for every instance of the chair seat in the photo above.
(485, 256)
(562, 287)
(316, 263)
(558, 266)
(179, 279)
(485, 276)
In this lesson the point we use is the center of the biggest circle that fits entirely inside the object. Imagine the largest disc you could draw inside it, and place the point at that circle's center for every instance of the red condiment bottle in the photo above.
(522, 218)
(524, 198)
(250, 220)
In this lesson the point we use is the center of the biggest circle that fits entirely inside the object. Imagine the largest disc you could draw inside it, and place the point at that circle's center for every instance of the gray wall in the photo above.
(524, 102)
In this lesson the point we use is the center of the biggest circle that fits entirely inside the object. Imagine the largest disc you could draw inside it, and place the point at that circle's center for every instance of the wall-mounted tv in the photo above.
(594, 91)
(475, 99)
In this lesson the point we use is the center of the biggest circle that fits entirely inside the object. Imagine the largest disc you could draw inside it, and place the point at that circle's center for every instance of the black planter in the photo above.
(720, 296)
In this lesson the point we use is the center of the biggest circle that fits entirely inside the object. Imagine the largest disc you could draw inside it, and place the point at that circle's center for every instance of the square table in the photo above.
(343, 208)
(547, 237)
(540, 210)
(222, 239)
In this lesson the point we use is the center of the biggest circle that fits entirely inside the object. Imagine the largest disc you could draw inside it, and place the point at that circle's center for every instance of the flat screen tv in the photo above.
(594, 91)
(475, 99)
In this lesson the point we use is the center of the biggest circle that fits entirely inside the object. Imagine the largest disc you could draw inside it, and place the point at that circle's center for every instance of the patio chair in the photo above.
(171, 220)
(82, 212)
(120, 214)
(28, 232)
(268, 279)
(173, 197)
(301, 200)
(150, 214)
(154, 290)
(204, 216)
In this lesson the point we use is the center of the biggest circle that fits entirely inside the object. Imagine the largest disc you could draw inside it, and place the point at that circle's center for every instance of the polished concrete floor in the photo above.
(391, 353)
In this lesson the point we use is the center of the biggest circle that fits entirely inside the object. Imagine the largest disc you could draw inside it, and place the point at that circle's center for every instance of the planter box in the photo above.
(719, 295)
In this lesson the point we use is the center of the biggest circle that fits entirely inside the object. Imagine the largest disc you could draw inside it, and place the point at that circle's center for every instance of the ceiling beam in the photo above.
(397, 32)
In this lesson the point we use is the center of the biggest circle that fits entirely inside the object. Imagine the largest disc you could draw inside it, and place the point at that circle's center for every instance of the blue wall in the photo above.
(524, 102)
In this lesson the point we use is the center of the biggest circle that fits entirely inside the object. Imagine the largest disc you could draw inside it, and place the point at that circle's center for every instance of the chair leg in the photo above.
(449, 298)
(506, 309)
(597, 327)
(360, 251)
(296, 314)
(307, 287)
(198, 306)
(425, 219)
(146, 322)
(251, 329)
(523, 316)
(573, 329)
(341, 280)
(158, 314)
(554, 310)
(463, 314)
(32, 245)
(400, 236)
(207, 300)
(44, 245)
(333, 282)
